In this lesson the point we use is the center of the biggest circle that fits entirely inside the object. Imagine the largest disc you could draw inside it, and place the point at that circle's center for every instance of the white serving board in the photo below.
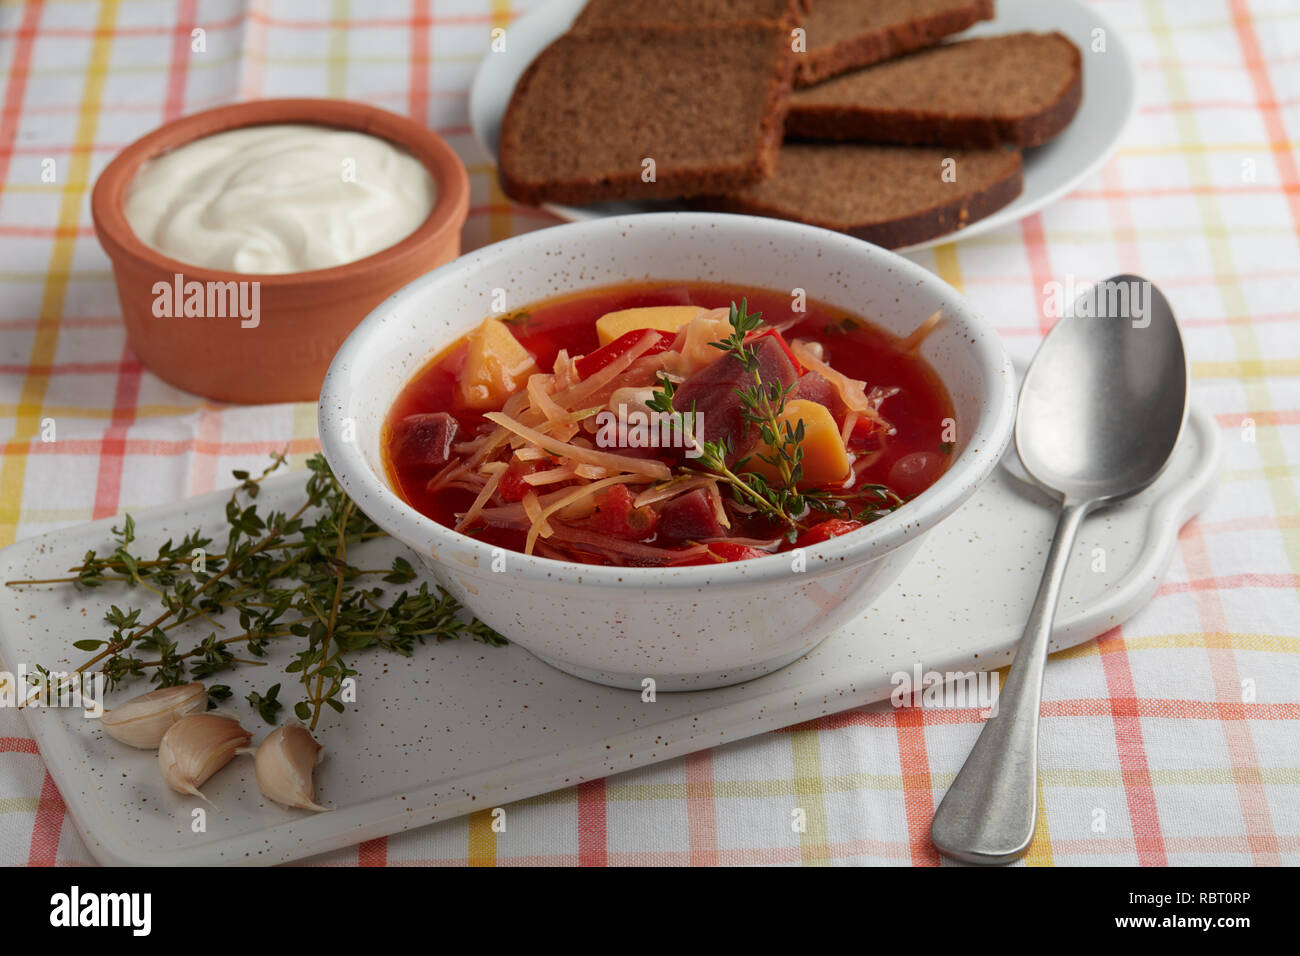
(462, 727)
(1050, 171)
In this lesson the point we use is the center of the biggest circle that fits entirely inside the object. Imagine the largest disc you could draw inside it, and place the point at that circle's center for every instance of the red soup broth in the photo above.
(912, 458)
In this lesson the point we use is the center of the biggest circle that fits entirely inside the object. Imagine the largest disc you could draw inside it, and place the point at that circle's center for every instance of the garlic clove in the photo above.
(284, 763)
(196, 747)
(142, 721)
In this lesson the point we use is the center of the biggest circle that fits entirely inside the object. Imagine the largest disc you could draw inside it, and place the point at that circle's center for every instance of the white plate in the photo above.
(463, 727)
(1109, 97)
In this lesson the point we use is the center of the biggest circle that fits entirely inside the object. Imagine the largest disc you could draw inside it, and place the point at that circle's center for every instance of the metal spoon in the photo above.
(1101, 409)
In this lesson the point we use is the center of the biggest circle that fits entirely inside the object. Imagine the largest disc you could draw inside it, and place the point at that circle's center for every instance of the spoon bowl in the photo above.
(1103, 403)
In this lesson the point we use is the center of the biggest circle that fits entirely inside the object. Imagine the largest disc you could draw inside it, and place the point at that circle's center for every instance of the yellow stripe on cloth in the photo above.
(482, 840)
(948, 265)
(31, 399)
(814, 839)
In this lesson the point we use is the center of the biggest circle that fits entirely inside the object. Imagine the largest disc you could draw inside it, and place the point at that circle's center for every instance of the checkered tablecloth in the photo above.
(1179, 732)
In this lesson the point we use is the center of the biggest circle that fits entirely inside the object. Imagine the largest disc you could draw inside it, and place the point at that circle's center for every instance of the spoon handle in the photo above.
(987, 815)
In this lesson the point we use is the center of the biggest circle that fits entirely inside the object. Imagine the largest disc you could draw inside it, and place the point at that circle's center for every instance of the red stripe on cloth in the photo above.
(112, 451)
(1235, 713)
(50, 812)
(1178, 709)
(179, 70)
(1134, 771)
(871, 715)
(1016, 279)
(1204, 189)
(1289, 416)
(1274, 125)
(1092, 846)
(19, 69)
(216, 26)
(66, 148)
(701, 809)
(207, 102)
(112, 455)
(254, 58)
(1196, 105)
(65, 368)
(1236, 525)
(1173, 708)
(418, 100)
(1232, 66)
(46, 232)
(918, 788)
(593, 836)
(203, 473)
(1040, 266)
(69, 322)
(18, 745)
(373, 853)
(145, 30)
(367, 23)
(112, 458)
(206, 478)
(1231, 582)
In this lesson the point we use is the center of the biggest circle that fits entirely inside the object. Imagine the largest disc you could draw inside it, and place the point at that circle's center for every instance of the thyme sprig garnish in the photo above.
(762, 405)
(286, 577)
(749, 486)
(713, 457)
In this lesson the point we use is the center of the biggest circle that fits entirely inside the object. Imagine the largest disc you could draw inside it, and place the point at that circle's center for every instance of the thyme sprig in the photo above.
(286, 577)
(713, 457)
(762, 405)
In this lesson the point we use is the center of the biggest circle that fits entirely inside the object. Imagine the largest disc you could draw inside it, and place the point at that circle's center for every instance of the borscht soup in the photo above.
(669, 424)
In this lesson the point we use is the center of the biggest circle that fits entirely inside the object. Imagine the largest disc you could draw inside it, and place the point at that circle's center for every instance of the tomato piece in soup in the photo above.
(617, 515)
(590, 364)
(831, 528)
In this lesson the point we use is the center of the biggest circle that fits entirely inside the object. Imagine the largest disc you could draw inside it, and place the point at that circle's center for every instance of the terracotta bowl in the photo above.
(304, 316)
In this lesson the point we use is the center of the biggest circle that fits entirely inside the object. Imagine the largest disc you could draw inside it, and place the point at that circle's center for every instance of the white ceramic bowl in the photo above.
(693, 627)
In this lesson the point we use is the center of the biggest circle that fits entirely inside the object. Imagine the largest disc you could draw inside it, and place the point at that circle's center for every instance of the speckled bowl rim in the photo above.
(448, 215)
(973, 464)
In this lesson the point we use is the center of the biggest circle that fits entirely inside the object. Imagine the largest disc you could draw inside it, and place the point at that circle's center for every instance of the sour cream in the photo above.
(280, 198)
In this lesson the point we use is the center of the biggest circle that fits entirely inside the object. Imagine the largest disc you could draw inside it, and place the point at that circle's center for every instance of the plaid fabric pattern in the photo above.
(1171, 740)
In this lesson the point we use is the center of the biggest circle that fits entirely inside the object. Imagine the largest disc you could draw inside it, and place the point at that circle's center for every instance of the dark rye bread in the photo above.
(707, 104)
(845, 35)
(890, 195)
(624, 13)
(1023, 89)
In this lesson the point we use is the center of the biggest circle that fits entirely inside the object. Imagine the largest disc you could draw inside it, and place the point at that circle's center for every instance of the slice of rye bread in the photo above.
(890, 195)
(1023, 89)
(845, 35)
(624, 13)
(706, 103)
